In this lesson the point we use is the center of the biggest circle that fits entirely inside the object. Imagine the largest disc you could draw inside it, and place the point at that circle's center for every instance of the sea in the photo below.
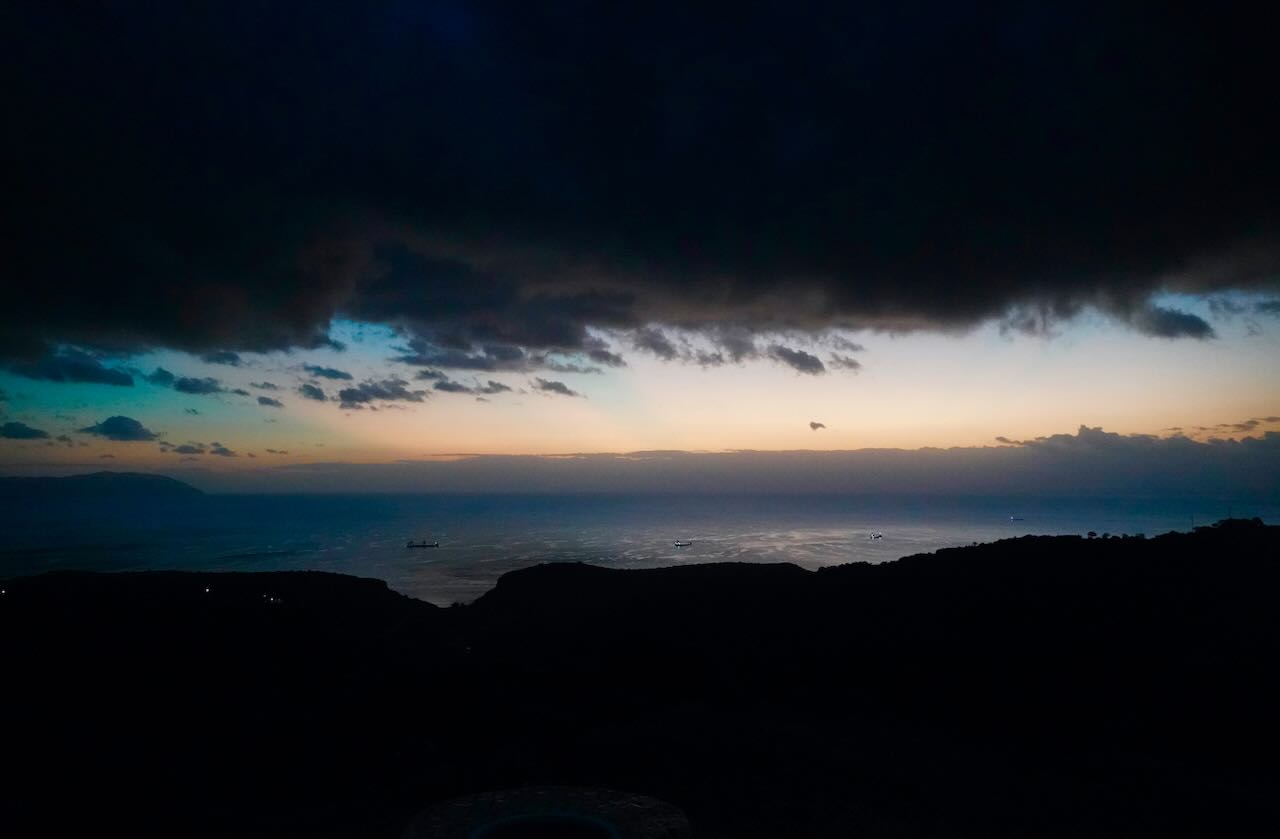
(482, 537)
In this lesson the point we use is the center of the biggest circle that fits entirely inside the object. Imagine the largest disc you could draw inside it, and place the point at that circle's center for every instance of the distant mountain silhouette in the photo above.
(114, 485)
(1041, 686)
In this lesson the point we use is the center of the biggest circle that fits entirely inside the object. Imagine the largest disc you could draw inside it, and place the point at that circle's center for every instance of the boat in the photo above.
(413, 544)
(1015, 518)
(875, 535)
(680, 543)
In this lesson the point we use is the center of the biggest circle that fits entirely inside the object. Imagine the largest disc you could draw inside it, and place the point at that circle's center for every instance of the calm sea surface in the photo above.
(482, 537)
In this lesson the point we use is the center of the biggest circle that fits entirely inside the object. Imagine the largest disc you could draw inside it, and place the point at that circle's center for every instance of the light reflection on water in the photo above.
(482, 537)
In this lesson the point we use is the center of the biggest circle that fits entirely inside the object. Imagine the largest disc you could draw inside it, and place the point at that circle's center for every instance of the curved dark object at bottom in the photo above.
(545, 812)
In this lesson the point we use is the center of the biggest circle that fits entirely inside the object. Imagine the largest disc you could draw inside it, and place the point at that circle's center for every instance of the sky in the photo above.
(275, 248)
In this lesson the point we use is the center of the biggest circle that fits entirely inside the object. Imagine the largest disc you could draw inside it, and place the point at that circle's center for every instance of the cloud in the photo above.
(70, 365)
(327, 372)
(21, 431)
(844, 362)
(161, 377)
(488, 357)
(798, 360)
(1268, 307)
(312, 392)
(389, 390)
(231, 359)
(190, 449)
(1171, 323)
(268, 402)
(490, 387)
(607, 358)
(816, 425)
(842, 343)
(264, 385)
(655, 341)
(194, 386)
(197, 386)
(888, 170)
(192, 411)
(122, 429)
(220, 450)
(569, 367)
(554, 387)
(277, 451)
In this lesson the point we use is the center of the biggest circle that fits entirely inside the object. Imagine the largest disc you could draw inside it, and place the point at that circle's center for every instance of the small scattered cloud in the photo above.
(842, 343)
(191, 385)
(385, 390)
(192, 411)
(268, 402)
(655, 341)
(798, 360)
(570, 367)
(1162, 322)
(190, 449)
(121, 429)
(844, 362)
(226, 357)
(197, 386)
(327, 372)
(22, 431)
(220, 450)
(490, 387)
(277, 451)
(814, 426)
(1268, 307)
(264, 385)
(607, 358)
(309, 391)
(547, 386)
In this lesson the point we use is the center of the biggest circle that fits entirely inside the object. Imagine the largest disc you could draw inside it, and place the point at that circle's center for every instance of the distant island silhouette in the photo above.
(1040, 686)
(96, 485)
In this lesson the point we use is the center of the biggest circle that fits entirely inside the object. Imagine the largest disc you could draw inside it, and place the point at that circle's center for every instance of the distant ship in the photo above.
(680, 543)
(875, 535)
(413, 544)
(1015, 518)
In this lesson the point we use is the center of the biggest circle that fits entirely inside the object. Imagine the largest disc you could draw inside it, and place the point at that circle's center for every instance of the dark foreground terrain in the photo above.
(1034, 687)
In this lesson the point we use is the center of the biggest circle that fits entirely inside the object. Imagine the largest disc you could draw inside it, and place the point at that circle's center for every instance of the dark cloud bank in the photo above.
(1091, 462)
(228, 178)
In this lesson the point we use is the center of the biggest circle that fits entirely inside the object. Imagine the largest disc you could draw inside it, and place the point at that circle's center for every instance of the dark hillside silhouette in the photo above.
(1043, 686)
